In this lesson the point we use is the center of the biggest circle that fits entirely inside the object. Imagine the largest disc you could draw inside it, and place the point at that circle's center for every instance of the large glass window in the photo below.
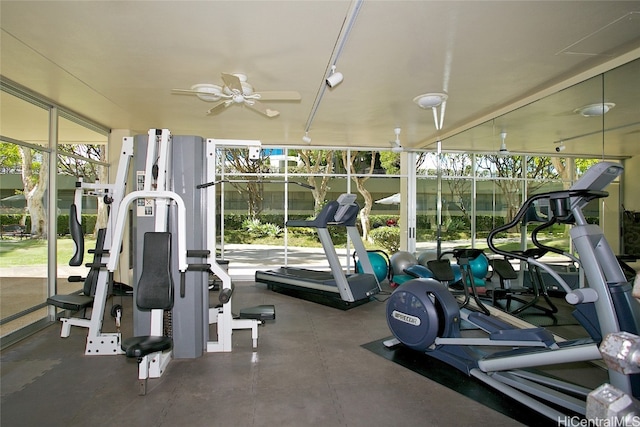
(81, 156)
(24, 162)
(29, 235)
(261, 196)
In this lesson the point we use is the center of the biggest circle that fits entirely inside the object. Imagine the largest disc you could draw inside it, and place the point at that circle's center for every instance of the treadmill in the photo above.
(333, 288)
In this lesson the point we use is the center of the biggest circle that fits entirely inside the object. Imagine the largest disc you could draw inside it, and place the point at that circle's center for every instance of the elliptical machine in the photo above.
(423, 315)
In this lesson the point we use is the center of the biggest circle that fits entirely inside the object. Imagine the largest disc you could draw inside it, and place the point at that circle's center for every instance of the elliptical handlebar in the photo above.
(560, 206)
(514, 222)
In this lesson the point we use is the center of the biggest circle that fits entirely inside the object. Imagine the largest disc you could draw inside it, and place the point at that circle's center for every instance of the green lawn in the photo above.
(15, 252)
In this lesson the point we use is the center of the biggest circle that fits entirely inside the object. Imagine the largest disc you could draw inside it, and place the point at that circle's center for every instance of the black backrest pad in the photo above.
(155, 288)
(75, 229)
(91, 281)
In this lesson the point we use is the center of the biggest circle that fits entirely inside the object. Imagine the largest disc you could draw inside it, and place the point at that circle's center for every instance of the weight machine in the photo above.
(168, 181)
(168, 188)
(98, 288)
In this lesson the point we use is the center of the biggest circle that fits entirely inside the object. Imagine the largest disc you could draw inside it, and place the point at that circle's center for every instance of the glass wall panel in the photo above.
(304, 249)
(24, 242)
(27, 236)
(426, 213)
(14, 114)
(81, 154)
(24, 233)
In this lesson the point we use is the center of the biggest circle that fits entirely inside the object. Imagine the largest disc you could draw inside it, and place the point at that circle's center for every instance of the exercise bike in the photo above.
(423, 315)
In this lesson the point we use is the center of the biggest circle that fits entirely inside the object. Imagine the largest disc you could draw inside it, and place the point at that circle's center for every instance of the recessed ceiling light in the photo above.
(594, 110)
(430, 100)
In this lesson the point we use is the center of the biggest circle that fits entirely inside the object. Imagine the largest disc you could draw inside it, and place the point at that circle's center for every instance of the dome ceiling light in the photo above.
(595, 110)
(433, 100)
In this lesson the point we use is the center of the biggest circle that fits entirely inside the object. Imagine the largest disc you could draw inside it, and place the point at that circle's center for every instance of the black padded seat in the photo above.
(71, 302)
(141, 346)
(77, 302)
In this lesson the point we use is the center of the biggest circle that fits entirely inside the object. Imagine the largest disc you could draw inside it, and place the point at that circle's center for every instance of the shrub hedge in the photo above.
(88, 222)
(457, 227)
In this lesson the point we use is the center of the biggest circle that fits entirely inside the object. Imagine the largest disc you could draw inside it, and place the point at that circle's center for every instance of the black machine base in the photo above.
(314, 295)
(259, 312)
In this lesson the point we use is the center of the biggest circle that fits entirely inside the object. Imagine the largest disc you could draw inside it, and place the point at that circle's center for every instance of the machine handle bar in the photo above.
(559, 206)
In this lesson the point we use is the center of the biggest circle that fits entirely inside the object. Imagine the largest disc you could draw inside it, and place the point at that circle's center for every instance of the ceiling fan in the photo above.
(396, 147)
(236, 90)
(503, 151)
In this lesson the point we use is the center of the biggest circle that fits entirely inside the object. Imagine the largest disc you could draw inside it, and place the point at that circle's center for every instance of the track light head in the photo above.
(306, 138)
(335, 78)
(560, 147)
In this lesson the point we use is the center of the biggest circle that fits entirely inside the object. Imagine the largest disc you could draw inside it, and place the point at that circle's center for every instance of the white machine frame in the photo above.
(222, 316)
(154, 365)
(98, 342)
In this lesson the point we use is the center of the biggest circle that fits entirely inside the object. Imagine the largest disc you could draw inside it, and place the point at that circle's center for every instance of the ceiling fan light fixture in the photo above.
(595, 110)
(396, 147)
(430, 100)
(236, 90)
(503, 151)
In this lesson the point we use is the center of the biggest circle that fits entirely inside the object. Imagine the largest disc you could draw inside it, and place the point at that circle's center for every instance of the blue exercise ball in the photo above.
(379, 265)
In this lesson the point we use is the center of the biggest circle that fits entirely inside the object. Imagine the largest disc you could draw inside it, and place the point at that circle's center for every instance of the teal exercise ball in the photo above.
(479, 266)
(457, 273)
(379, 265)
(399, 279)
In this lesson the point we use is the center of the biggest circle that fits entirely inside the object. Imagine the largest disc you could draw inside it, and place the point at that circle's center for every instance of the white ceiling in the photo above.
(116, 62)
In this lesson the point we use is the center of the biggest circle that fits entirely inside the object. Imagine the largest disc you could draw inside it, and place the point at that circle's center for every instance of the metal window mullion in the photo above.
(52, 261)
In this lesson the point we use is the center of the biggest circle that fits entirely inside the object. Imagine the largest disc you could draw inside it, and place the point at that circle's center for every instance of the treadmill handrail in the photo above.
(341, 212)
(320, 221)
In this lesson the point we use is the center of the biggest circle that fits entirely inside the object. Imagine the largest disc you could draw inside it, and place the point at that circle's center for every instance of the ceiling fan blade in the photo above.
(197, 92)
(280, 95)
(232, 82)
(218, 107)
(186, 91)
(261, 108)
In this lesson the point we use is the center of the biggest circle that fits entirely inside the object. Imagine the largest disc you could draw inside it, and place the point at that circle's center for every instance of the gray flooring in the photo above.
(309, 370)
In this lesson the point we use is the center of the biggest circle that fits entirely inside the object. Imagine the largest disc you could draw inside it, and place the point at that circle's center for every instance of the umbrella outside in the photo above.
(15, 201)
(394, 199)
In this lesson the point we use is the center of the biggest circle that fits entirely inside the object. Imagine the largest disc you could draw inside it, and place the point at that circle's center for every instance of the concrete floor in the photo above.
(309, 370)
